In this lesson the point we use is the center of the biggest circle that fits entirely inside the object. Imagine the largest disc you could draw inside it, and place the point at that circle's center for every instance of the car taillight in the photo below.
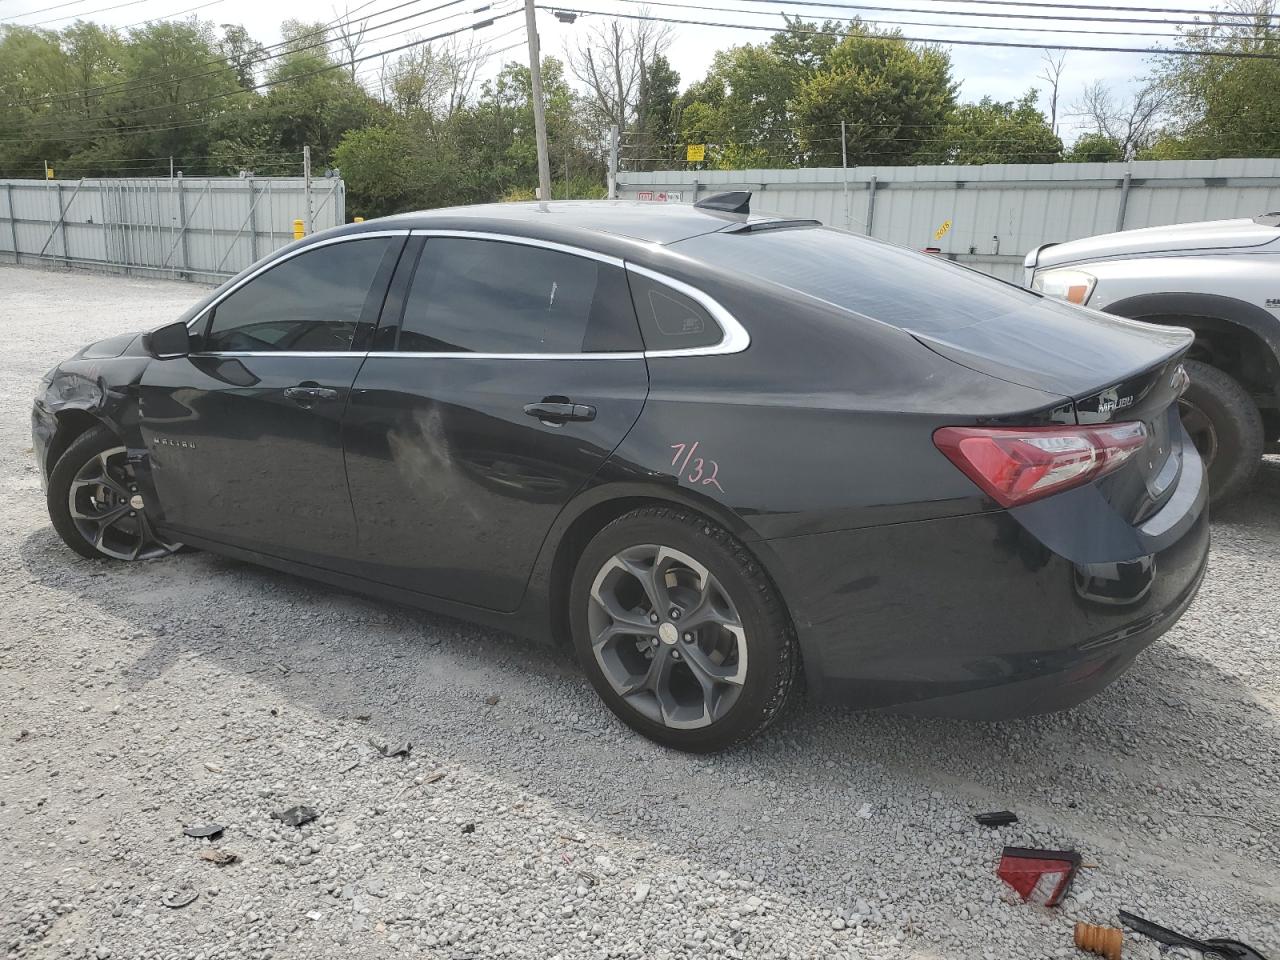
(1015, 465)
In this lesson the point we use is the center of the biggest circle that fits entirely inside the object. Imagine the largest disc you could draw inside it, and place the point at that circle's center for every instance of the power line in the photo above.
(84, 13)
(1153, 51)
(301, 76)
(56, 6)
(139, 83)
(174, 15)
(1062, 6)
(292, 48)
(914, 23)
(1147, 21)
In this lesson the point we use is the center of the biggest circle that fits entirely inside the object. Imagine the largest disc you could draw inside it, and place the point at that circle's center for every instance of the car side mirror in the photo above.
(169, 342)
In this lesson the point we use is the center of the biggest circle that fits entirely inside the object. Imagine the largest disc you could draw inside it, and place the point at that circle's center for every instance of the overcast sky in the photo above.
(1004, 73)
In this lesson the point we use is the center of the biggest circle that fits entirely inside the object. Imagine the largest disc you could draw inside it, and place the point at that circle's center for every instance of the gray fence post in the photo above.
(1124, 200)
(182, 227)
(13, 226)
(871, 205)
(253, 223)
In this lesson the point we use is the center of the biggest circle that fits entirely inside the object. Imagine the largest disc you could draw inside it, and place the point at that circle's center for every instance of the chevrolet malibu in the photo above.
(714, 450)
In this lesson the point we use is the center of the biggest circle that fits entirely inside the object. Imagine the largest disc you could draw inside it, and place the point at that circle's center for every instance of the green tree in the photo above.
(655, 131)
(895, 98)
(35, 77)
(1218, 106)
(990, 131)
(1095, 148)
(743, 107)
(310, 101)
(242, 52)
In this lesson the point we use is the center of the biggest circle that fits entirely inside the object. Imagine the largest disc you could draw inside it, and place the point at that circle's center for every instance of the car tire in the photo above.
(1226, 427)
(713, 669)
(89, 498)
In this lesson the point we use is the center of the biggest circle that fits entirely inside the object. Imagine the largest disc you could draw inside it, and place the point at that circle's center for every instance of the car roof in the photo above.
(648, 222)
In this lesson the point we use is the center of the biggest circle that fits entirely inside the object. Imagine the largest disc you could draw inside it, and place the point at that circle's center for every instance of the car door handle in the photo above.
(559, 411)
(310, 394)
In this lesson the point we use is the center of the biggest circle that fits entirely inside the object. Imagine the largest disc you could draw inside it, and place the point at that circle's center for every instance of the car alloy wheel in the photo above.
(109, 512)
(667, 636)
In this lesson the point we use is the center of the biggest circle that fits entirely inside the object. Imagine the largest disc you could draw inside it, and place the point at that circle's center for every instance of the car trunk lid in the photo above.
(1112, 369)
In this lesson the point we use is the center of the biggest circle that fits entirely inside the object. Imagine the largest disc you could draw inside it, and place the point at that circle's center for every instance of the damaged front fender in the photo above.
(81, 393)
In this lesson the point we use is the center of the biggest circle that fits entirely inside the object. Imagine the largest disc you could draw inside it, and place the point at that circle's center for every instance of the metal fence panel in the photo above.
(204, 229)
(997, 212)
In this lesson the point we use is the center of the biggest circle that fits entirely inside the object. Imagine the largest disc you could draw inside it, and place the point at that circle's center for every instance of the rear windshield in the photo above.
(914, 291)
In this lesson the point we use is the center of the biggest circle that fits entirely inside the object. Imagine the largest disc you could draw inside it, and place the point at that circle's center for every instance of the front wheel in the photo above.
(680, 630)
(95, 504)
(1226, 427)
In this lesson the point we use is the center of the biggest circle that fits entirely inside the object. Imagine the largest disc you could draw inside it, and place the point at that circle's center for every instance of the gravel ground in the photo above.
(527, 822)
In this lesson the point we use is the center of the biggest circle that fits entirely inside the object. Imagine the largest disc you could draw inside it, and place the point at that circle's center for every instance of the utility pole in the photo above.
(539, 109)
(171, 168)
(306, 186)
(613, 162)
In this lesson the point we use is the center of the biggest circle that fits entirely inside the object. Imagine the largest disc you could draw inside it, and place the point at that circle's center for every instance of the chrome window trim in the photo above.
(735, 337)
(619, 355)
(281, 353)
(345, 238)
(524, 241)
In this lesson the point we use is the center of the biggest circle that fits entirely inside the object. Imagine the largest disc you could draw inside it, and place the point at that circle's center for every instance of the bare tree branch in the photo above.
(350, 38)
(1133, 123)
(612, 60)
(1052, 75)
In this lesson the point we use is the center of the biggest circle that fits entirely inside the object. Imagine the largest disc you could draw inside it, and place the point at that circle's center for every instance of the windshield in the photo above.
(879, 280)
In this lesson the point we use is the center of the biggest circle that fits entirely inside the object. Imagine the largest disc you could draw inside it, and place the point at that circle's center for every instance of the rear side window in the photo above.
(488, 296)
(669, 320)
(312, 302)
(877, 279)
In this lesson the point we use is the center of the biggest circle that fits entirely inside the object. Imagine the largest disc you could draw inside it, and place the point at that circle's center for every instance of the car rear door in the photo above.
(504, 372)
(244, 434)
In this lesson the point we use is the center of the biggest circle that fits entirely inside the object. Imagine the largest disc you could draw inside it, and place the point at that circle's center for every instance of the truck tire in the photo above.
(1226, 427)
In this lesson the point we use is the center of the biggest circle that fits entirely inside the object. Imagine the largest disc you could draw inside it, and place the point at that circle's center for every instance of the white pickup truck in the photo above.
(1221, 278)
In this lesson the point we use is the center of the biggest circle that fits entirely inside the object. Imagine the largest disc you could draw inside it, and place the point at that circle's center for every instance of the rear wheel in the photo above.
(680, 631)
(95, 504)
(1226, 427)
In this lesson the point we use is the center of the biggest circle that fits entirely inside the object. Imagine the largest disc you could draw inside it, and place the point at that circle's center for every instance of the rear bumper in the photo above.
(979, 616)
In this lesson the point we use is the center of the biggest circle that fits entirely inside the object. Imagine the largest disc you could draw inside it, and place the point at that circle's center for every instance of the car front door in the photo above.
(244, 434)
(504, 373)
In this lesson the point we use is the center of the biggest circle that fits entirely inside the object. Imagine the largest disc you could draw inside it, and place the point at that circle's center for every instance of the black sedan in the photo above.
(713, 449)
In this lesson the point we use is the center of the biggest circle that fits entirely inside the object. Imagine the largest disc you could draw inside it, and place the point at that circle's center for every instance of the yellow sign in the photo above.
(942, 230)
(48, 172)
(696, 152)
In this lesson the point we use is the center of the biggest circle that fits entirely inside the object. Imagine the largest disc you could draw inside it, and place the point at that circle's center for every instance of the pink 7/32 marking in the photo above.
(698, 475)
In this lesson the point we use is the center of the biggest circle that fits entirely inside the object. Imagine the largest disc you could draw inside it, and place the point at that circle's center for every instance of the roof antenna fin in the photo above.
(735, 201)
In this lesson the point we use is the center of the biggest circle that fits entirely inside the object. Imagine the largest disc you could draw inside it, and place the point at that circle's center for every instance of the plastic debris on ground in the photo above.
(1104, 941)
(997, 818)
(1216, 948)
(1039, 876)
(204, 831)
(294, 816)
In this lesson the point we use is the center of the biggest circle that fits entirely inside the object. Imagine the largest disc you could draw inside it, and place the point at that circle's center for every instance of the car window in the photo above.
(669, 320)
(488, 296)
(313, 302)
(879, 280)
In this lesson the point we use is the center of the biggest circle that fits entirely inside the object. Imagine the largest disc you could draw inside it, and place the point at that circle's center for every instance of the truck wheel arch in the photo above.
(1217, 322)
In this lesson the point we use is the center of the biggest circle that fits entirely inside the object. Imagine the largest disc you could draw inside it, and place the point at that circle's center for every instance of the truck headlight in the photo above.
(1074, 286)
